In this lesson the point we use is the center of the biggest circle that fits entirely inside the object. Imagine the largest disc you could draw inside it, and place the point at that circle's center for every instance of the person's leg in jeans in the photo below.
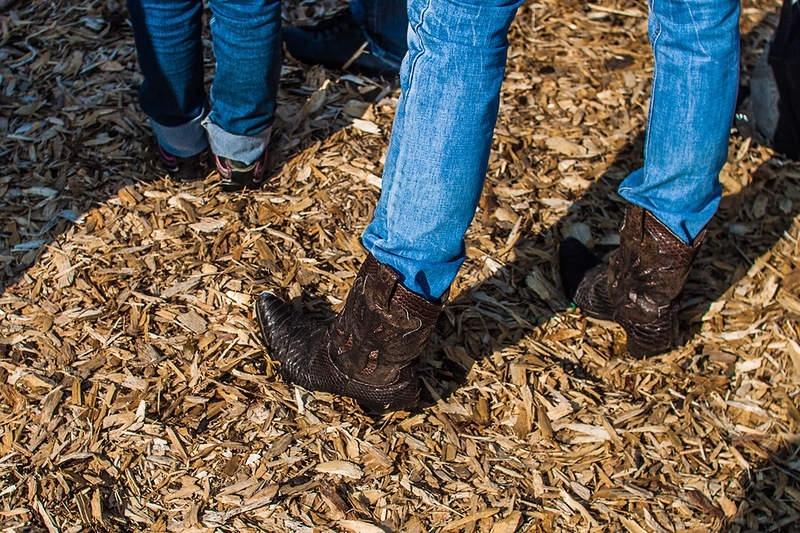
(385, 25)
(368, 36)
(695, 80)
(432, 181)
(170, 53)
(693, 98)
(439, 148)
(246, 40)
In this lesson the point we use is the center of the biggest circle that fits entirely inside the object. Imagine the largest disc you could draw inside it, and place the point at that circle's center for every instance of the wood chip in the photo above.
(135, 393)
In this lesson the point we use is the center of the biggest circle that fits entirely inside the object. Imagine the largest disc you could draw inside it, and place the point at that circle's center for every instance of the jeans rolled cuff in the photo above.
(242, 148)
(185, 140)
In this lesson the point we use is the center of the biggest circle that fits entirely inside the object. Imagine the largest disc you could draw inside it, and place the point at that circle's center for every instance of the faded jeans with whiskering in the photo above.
(693, 98)
(439, 148)
(450, 79)
(245, 36)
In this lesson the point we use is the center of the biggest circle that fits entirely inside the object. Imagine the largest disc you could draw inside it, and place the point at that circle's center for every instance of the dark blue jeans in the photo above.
(246, 40)
(385, 24)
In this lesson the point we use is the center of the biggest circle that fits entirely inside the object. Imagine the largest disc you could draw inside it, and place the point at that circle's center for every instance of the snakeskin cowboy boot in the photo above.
(368, 351)
(639, 286)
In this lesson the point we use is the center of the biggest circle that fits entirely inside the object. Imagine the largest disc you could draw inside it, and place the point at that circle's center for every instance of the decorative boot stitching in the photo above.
(372, 363)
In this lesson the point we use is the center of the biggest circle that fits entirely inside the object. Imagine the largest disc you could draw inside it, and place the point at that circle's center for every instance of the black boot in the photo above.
(337, 43)
(368, 352)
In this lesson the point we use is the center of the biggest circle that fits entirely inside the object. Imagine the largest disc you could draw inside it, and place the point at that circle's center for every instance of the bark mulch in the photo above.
(135, 394)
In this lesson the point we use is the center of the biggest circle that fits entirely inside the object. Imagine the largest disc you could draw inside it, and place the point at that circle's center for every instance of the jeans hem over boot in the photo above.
(692, 103)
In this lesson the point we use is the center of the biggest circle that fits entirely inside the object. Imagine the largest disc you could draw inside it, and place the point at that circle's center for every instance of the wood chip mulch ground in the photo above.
(135, 394)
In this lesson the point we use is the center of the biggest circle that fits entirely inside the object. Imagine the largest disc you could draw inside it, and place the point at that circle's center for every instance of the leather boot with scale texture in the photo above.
(639, 286)
(368, 351)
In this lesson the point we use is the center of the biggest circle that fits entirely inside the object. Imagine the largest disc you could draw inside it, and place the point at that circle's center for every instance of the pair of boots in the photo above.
(370, 349)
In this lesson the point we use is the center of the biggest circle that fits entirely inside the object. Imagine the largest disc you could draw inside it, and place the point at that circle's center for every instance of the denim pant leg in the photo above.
(385, 24)
(170, 53)
(695, 80)
(439, 148)
(247, 48)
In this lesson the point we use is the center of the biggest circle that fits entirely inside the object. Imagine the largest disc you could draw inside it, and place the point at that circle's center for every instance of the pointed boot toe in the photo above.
(294, 341)
(273, 315)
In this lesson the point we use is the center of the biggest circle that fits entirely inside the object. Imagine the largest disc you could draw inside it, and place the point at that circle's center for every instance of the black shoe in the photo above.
(338, 43)
(575, 260)
(235, 175)
(190, 168)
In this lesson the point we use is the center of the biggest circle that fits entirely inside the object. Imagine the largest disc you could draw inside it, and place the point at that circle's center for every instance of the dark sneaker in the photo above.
(575, 260)
(185, 168)
(338, 43)
(235, 175)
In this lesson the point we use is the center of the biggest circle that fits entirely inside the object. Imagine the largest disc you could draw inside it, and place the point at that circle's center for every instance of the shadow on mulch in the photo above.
(728, 251)
(74, 194)
(738, 235)
(68, 174)
(767, 496)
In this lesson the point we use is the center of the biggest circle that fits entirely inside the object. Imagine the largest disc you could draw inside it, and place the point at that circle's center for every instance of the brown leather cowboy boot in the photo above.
(639, 286)
(368, 351)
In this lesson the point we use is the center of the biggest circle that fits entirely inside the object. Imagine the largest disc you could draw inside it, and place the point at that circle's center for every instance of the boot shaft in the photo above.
(652, 263)
(383, 327)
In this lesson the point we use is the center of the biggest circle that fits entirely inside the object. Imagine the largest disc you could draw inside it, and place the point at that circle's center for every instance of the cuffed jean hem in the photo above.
(185, 140)
(242, 148)
(429, 280)
(685, 223)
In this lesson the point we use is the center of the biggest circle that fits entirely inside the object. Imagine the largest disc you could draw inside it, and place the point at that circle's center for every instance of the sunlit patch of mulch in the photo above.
(134, 391)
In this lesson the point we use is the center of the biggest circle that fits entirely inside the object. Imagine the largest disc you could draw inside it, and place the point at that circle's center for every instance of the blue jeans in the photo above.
(439, 148)
(450, 79)
(693, 97)
(241, 108)
(385, 25)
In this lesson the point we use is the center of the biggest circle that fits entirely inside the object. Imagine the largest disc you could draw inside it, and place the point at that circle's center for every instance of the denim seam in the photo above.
(417, 26)
(694, 25)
